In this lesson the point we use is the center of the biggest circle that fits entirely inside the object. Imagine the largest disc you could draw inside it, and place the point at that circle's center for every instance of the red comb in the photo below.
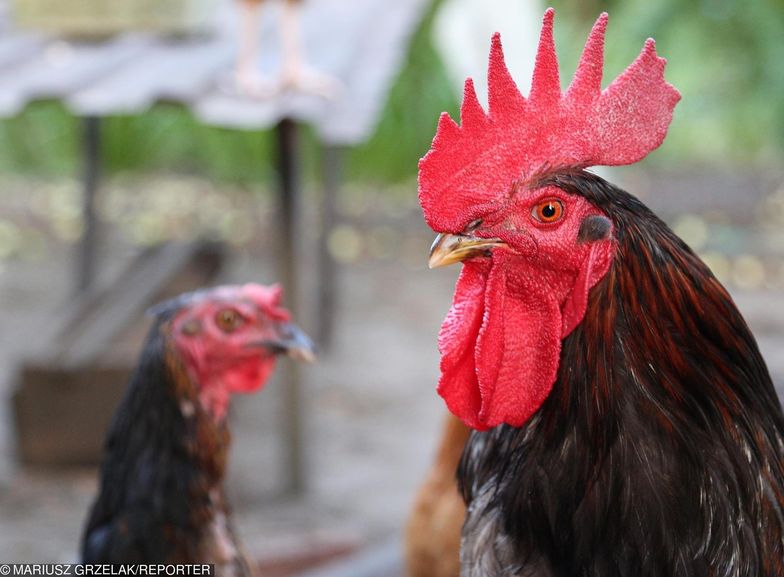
(473, 166)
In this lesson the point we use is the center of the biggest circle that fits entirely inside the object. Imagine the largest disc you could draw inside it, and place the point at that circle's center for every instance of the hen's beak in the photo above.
(451, 248)
(291, 341)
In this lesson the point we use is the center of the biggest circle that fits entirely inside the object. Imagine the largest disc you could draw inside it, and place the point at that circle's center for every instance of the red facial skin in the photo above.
(501, 341)
(228, 358)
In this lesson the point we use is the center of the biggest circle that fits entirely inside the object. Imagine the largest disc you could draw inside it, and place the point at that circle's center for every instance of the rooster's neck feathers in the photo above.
(661, 324)
(663, 432)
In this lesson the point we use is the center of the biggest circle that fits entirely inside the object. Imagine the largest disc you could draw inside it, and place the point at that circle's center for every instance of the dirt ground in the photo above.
(371, 412)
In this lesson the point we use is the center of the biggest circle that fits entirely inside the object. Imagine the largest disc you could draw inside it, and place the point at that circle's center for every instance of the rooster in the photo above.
(161, 497)
(625, 421)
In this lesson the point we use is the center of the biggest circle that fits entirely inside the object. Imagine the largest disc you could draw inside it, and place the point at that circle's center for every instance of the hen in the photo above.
(161, 496)
(626, 423)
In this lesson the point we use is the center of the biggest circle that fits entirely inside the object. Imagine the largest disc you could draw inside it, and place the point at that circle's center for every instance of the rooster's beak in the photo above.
(452, 248)
(292, 342)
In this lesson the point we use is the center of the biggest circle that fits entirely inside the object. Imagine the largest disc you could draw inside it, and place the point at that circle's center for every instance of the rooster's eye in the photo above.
(228, 320)
(548, 211)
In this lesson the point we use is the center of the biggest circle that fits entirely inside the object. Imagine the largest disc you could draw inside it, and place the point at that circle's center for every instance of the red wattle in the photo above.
(499, 351)
(458, 384)
(501, 341)
(517, 350)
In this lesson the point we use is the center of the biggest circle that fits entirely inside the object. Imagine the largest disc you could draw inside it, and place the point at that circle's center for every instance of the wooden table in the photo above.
(363, 43)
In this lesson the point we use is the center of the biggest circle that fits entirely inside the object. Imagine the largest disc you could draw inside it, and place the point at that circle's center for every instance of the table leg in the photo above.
(332, 167)
(86, 267)
(289, 191)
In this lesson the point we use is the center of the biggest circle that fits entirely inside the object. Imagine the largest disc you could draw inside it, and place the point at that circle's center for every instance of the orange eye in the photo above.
(548, 211)
(228, 320)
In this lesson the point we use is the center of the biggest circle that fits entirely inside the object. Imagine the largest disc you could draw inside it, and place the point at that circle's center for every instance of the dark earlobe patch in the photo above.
(593, 228)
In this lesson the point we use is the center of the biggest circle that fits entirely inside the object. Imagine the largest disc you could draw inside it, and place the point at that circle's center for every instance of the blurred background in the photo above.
(135, 163)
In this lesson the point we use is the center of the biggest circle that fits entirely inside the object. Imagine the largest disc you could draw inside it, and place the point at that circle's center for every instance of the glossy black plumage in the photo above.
(160, 497)
(659, 451)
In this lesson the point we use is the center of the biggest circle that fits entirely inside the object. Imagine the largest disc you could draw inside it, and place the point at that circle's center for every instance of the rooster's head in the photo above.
(531, 251)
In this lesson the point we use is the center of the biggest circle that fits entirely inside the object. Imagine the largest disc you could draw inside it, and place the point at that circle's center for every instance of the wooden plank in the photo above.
(88, 244)
(99, 316)
(289, 190)
(331, 177)
(380, 57)
(362, 44)
(61, 415)
(5, 17)
(322, 23)
(61, 68)
(228, 111)
(326, 21)
(240, 113)
(17, 48)
(171, 71)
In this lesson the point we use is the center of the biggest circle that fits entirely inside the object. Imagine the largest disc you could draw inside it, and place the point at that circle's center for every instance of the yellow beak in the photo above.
(452, 248)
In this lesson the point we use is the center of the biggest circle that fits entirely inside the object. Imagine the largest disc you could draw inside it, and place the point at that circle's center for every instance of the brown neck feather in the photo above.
(210, 436)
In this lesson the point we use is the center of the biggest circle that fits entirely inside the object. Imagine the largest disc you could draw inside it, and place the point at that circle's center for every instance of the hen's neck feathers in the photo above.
(161, 412)
(161, 477)
(161, 494)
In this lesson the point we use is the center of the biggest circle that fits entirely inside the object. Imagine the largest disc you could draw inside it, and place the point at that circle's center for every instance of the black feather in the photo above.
(659, 451)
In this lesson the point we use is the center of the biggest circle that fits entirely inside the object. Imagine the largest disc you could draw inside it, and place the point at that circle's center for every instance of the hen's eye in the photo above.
(228, 320)
(548, 211)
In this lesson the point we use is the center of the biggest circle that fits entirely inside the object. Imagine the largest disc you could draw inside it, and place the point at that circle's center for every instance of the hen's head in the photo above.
(531, 251)
(228, 338)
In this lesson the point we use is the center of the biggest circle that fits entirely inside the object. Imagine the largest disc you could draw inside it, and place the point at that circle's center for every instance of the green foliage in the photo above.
(42, 139)
(45, 139)
(168, 137)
